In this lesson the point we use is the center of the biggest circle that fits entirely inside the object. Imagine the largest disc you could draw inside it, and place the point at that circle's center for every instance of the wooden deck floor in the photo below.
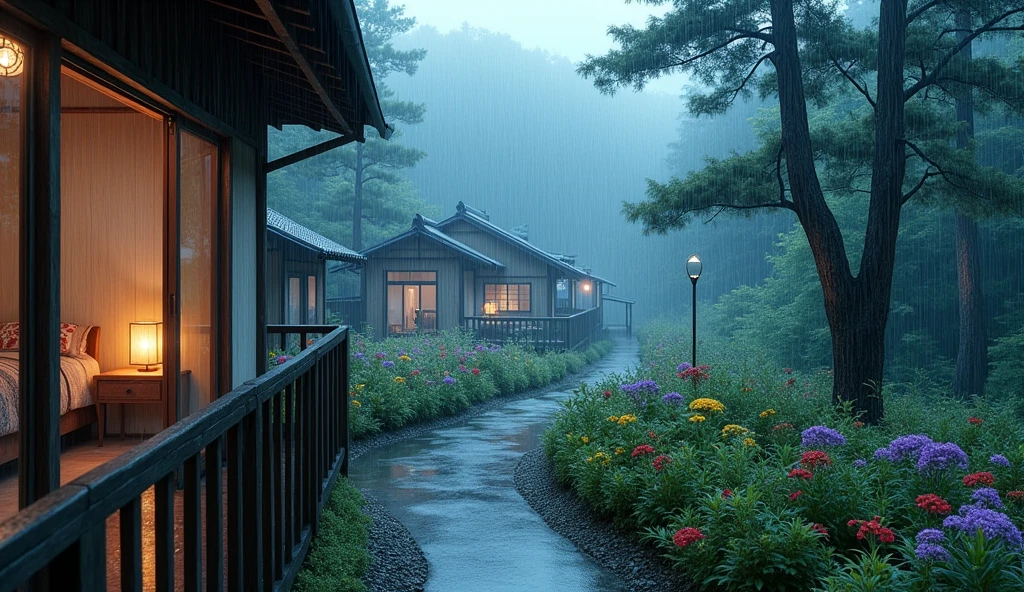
(80, 459)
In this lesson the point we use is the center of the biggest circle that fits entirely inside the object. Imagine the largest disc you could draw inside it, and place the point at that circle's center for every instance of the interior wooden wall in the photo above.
(112, 168)
(243, 262)
(10, 153)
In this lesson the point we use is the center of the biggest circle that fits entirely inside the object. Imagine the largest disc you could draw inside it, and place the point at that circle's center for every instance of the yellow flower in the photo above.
(584, 439)
(766, 413)
(749, 442)
(590, 459)
(705, 404)
(359, 387)
(356, 403)
(697, 418)
(404, 358)
(734, 430)
(627, 418)
(613, 418)
(619, 450)
(399, 379)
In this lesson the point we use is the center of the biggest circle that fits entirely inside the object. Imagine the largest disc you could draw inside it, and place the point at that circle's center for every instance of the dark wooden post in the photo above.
(39, 366)
(261, 253)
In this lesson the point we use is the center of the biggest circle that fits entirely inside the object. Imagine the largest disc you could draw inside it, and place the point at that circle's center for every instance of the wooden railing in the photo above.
(278, 441)
(304, 335)
(542, 333)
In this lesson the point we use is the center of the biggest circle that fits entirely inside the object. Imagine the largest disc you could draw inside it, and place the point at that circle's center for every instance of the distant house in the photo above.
(296, 271)
(466, 271)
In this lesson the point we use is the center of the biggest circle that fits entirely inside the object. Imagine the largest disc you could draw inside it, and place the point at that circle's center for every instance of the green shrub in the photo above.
(338, 557)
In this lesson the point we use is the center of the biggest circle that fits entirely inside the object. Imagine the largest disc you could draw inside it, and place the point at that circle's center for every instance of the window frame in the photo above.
(519, 298)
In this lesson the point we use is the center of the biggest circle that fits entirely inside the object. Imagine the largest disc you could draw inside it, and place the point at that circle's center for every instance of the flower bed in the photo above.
(747, 478)
(400, 381)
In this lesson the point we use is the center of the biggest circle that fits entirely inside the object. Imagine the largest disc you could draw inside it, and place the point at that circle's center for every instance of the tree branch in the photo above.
(964, 42)
(736, 91)
(939, 171)
(921, 10)
(928, 173)
(846, 74)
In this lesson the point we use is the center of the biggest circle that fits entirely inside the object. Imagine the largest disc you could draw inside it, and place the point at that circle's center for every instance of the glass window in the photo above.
(412, 276)
(311, 300)
(412, 301)
(508, 297)
(294, 301)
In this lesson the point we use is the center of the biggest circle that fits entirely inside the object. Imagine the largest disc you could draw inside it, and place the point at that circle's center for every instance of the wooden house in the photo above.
(133, 162)
(297, 270)
(465, 271)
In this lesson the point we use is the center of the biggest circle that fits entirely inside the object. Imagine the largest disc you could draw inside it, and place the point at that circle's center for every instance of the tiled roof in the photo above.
(298, 233)
(427, 228)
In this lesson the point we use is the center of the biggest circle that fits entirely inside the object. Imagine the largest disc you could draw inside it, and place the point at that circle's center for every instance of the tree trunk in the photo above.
(971, 354)
(357, 202)
(857, 307)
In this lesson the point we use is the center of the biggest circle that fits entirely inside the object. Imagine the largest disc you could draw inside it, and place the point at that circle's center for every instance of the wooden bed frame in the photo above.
(70, 421)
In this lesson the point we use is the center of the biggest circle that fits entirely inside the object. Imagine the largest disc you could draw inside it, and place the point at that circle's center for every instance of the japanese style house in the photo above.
(297, 269)
(465, 271)
(133, 162)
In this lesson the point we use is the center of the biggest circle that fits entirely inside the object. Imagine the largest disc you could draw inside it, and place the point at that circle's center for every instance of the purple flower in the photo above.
(683, 367)
(931, 535)
(672, 398)
(417, 351)
(930, 552)
(449, 380)
(479, 348)
(818, 436)
(379, 355)
(388, 364)
(999, 459)
(641, 386)
(987, 497)
(359, 355)
(938, 456)
(904, 447)
(994, 525)
(860, 463)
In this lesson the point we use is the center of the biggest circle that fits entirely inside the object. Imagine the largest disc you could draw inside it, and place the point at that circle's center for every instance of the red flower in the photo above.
(933, 503)
(975, 420)
(783, 426)
(1016, 495)
(813, 458)
(607, 394)
(686, 536)
(819, 529)
(660, 461)
(791, 382)
(873, 527)
(642, 450)
(983, 478)
(794, 495)
(696, 374)
(728, 493)
(858, 424)
(800, 473)
(787, 370)
(652, 435)
(415, 373)
(475, 371)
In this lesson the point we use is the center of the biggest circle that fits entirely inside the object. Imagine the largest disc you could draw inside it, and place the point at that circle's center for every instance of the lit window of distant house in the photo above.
(508, 297)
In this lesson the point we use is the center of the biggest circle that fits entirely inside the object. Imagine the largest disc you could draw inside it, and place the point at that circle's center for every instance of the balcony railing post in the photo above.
(343, 396)
(252, 497)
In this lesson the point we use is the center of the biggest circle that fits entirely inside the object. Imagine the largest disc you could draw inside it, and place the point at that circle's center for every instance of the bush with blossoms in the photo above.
(402, 380)
(748, 478)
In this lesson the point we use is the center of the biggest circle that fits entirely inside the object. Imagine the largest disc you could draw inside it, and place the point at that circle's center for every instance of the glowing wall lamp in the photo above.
(145, 339)
(693, 269)
(12, 58)
(586, 286)
(490, 308)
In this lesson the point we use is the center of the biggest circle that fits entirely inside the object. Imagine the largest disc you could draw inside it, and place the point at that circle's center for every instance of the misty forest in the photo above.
(842, 408)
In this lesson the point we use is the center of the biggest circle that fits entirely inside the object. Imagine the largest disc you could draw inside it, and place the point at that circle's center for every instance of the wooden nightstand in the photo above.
(128, 386)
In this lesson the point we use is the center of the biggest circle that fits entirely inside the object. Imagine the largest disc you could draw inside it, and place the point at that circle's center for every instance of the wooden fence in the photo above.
(542, 333)
(278, 441)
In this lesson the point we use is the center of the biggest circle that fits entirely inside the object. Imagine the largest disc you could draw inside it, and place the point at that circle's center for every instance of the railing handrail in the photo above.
(36, 535)
(529, 318)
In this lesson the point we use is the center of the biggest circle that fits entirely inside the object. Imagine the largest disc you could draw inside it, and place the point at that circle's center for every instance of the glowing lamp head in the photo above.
(490, 308)
(693, 267)
(145, 344)
(586, 286)
(12, 58)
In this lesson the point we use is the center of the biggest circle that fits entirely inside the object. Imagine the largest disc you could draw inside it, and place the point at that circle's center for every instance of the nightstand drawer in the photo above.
(120, 390)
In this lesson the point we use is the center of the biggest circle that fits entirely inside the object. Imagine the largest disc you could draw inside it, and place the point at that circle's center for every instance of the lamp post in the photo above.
(693, 269)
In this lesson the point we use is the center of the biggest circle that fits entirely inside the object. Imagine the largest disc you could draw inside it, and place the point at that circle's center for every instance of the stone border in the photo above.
(563, 511)
(397, 561)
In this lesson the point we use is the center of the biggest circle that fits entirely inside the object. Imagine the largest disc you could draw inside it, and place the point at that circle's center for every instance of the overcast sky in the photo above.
(570, 28)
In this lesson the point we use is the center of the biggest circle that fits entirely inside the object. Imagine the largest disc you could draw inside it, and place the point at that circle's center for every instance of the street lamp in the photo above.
(693, 269)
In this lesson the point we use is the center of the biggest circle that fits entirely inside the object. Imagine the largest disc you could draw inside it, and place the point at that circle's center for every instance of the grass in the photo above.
(338, 558)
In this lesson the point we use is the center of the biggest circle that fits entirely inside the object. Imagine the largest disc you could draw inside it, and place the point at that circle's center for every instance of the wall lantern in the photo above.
(145, 339)
(490, 308)
(12, 58)
(586, 286)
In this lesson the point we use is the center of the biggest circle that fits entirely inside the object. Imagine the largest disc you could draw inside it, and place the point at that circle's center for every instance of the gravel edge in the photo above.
(563, 511)
(397, 561)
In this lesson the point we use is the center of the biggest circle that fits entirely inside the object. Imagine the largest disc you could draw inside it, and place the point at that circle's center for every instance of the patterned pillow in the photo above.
(67, 331)
(9, 336)
(79, 340)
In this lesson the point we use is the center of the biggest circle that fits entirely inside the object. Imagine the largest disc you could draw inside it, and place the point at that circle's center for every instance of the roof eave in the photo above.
(344, 14)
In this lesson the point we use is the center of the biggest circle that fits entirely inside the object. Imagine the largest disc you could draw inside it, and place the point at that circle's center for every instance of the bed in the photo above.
(76, 393)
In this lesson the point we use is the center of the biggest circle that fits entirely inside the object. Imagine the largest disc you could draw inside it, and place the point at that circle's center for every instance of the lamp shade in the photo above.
(490, 308)
(12, 57)
(145, 342)
(693, 267)
(586, 286)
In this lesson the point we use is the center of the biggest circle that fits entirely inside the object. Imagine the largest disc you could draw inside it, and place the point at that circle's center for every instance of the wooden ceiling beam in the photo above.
(310, 152)
(287, 37)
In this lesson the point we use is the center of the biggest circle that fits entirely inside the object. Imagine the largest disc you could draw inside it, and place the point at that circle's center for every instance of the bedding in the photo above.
(76, 374)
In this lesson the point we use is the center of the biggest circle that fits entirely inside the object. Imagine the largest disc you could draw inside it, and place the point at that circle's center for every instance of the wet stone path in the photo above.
(453, 489)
